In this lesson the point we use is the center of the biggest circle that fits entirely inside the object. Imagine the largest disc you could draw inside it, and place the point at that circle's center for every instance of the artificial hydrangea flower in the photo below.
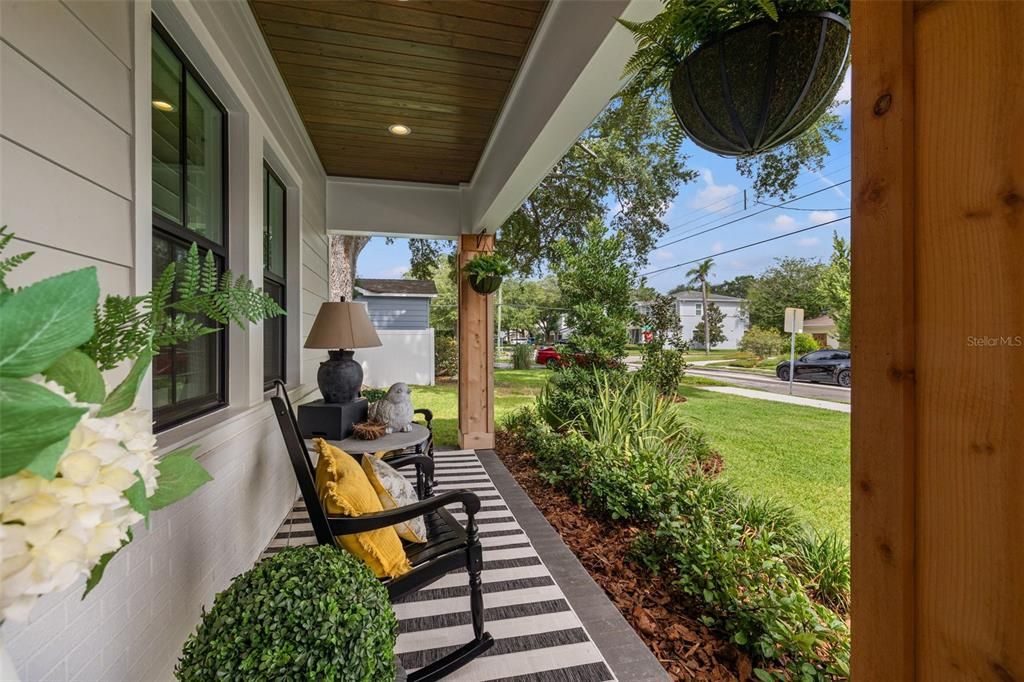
(53, 532)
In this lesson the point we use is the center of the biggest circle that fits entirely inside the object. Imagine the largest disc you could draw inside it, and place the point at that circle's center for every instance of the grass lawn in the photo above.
(513, 388)
(800, 455)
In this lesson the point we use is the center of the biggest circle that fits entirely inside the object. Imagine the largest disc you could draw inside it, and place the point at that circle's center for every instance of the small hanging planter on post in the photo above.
(486, 272)
(743, 79)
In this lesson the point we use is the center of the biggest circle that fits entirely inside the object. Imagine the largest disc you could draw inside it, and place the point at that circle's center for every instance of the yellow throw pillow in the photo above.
(343, 488)
(394, 491)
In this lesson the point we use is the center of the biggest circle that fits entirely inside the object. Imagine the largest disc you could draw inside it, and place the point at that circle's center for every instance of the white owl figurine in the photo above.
(395, 409)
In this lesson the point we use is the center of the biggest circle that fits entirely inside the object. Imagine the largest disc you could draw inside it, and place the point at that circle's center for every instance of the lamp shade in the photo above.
(342, 324)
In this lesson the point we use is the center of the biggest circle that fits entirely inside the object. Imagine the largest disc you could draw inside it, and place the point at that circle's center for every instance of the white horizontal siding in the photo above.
(109, 21)
(41, 114)
(43, 202)
(67, 190)
(50, 35)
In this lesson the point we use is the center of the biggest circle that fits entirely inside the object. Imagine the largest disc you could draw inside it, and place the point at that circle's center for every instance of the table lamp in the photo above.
(341, 326)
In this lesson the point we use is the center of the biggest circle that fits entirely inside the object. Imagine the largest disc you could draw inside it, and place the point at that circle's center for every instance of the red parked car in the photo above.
(548, 356)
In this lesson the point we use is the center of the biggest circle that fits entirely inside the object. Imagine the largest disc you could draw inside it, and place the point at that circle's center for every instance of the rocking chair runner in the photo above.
(449, 546)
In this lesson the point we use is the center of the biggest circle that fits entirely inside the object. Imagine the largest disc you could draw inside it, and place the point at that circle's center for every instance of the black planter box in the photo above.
(331, 421)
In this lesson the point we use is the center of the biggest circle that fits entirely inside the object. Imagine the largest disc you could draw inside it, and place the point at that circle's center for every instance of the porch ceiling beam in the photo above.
(571, 72)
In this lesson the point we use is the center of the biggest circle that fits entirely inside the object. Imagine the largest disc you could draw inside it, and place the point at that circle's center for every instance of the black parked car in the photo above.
(832, 366)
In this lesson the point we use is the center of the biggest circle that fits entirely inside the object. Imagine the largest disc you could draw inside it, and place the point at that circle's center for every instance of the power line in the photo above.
(742, 210)
(807, 182)
(751, 215)
(745, 246)
(794, 208)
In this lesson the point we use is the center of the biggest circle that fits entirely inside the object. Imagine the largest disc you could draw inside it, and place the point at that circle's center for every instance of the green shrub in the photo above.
(374, 394)
(522, 356)
(309, 613)
(568, 394)
(805, 343)
(663, 367)
(761, 342)
(446, 356)
(741, 577)
(616, 446)
(823, 561)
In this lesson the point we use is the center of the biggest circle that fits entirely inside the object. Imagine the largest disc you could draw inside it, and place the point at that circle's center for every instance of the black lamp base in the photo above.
(340, 378)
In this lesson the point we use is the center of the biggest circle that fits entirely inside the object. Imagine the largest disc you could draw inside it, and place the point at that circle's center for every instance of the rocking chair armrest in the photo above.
(425, 463)
(346, 525)
(427, 414)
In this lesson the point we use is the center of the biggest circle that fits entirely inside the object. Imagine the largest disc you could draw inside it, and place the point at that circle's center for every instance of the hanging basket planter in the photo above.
(485, 272)
(760, 85)
(486, 284)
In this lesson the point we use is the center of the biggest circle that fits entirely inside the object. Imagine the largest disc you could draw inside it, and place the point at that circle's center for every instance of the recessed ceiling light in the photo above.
(399, 129)
(161, 105)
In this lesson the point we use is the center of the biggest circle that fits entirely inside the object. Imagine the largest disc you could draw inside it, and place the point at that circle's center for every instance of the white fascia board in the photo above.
(571, 71)
(395, 209)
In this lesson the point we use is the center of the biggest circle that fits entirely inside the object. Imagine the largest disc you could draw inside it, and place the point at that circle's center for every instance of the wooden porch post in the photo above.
(476, 353)
(938, 329)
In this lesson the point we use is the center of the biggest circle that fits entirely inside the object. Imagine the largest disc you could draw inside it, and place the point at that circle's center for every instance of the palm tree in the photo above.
(699, 275)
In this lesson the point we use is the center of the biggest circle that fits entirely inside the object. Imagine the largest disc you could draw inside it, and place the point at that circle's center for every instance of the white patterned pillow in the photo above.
(394, 491)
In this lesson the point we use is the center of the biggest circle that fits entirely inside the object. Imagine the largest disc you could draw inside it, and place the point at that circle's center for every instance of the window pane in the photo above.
(163, 364)
(190, 372)
(166, 131)
(273, 336)
(204, 164)
(273, 257)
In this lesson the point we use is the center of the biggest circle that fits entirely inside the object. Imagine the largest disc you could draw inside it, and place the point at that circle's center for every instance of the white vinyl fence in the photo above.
(406, 355)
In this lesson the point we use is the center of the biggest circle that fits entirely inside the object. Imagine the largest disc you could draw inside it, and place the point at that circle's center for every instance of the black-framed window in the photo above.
(275, 217)
(189, 206)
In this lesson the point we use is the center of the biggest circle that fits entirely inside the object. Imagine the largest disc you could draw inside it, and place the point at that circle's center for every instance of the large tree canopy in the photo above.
(625, 170)
(791, 282)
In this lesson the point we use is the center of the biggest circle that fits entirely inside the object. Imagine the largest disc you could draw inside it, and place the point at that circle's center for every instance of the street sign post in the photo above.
(794, 324)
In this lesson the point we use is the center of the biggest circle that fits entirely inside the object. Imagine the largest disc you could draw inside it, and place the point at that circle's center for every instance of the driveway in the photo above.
(772, 384)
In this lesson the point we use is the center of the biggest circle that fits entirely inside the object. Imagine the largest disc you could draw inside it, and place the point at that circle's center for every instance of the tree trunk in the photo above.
(707, 329)
(345, 252)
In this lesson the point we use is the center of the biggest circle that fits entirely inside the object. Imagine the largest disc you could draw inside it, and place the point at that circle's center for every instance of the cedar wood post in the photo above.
(938, 312)
(476, 352)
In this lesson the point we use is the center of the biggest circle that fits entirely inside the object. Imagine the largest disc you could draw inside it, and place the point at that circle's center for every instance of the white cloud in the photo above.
(830, 183)
(397, 271)
(737, 264)
(662, 255)
(816, 217)
(806, 242)
(783, 222)
(717, 247)
(713, 198)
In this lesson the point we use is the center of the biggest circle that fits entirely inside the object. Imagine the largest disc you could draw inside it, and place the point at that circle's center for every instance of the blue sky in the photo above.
(716, 198)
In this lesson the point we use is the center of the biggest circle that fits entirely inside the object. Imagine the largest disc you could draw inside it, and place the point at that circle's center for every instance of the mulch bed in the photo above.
(685, 647)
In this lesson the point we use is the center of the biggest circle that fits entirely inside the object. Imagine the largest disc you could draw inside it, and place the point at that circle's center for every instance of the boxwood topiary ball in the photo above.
(307, 613)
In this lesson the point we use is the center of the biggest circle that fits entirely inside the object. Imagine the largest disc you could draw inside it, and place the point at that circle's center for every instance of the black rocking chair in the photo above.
(449, 545)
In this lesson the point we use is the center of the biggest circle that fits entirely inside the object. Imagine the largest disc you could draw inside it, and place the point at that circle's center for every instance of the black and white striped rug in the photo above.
(538, 637)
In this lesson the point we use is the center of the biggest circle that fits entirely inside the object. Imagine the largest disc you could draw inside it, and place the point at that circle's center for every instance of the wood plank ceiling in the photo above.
(441, 67)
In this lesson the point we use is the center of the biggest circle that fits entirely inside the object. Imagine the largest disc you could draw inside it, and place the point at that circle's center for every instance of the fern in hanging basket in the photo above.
(486, 272)
(745, 76)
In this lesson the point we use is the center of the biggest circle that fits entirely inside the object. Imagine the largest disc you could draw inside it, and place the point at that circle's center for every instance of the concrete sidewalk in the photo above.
(779, 398)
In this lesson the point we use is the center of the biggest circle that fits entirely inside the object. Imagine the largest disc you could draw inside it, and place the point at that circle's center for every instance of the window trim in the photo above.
(280, 280)
(173, 415)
